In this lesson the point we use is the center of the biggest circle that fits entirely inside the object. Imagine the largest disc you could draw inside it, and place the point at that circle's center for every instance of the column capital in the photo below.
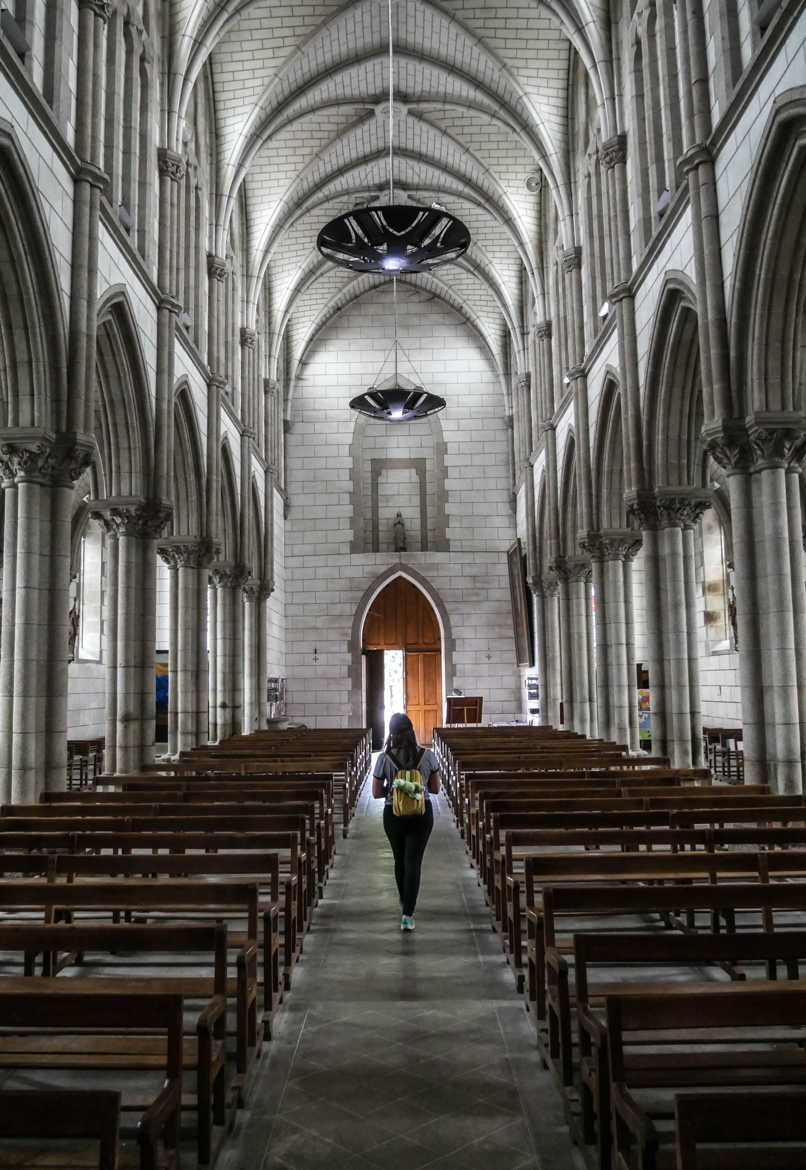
(251, 588)
(169, 304)
(132, 516)
(101, 8)
(549, 583)
(217, 381)
(181, 552)
(668, 507)
(620, 292)
(248, 338)
(576, 373)
(611, 544)
(571, 568)
(770, 439)
(543, 330)
(229, 574)
(695, 156)
(170, 164)
(266, 589)
(571, 259)
(91, 175)
(217, 267)
(614, 151)
(525, 381)
(32, 455)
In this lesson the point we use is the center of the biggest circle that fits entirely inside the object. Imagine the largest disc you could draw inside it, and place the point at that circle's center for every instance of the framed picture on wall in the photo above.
(521, 616)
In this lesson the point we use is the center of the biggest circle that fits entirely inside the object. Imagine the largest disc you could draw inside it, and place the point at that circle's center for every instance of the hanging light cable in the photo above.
(400, 237)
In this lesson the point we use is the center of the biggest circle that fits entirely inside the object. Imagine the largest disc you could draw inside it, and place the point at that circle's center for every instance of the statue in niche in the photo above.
(399, 531)
(732, 616)
(72, 631)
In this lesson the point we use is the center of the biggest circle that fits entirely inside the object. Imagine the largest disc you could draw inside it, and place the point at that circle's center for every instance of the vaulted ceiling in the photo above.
(300, 93)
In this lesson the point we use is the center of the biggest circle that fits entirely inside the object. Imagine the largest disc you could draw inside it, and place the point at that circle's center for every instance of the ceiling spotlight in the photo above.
(604, 308)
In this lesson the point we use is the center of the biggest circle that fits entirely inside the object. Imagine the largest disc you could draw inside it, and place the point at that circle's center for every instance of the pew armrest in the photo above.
(215, 1009)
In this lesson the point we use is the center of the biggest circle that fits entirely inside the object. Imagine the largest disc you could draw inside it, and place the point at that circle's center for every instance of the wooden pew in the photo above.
(50, 1012)
(54, 1117)
(745, 1036)
(765, 1129)
(205, 1048)
(617, 964)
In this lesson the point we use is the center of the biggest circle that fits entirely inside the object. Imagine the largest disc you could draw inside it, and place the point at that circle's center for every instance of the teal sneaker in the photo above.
(407, 922)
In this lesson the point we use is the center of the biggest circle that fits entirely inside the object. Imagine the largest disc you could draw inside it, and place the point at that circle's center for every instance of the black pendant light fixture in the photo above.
(396, 238)
(397, 398)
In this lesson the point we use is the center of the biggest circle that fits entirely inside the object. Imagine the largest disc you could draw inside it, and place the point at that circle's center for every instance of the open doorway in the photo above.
(402, 648)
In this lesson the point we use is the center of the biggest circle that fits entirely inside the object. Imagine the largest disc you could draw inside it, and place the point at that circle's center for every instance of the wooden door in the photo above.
(424, 692)
(374, 675)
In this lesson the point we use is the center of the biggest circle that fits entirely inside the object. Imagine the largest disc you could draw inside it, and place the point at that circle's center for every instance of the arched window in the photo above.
(717, 590)
(89, 593)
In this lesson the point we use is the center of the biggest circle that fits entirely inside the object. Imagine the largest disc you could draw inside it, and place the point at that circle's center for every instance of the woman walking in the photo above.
(408, 832)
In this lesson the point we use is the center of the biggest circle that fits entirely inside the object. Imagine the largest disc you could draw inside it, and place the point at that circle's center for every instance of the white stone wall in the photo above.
(86, 700)
(325, 582)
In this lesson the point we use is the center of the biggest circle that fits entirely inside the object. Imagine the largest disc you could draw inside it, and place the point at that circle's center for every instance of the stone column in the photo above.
(38, 470)
(611, 552)
(554, 675)
(266, 590)
(251, 654)
(212, 661)
(137, 523)
(188, 560)
(171, 175)
(574, 574)
(228, 580)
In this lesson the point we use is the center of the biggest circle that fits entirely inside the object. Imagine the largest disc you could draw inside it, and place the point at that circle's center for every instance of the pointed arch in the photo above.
(33, 334)
(124, 415)
(609, 510)
(361, 611)
(230, 522)
(768, 306)
(673, 401)
(189, 467)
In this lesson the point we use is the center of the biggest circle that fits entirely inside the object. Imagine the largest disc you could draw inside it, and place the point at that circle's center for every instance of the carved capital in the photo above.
(266, 589)
(124, 516)
(695, 156)
(728, 444)
(248, 338)
(29, 455)
(777, 440)
(525, 382)
(642, 507)
(571, 569)
(611, 544)
(101, 8)
(614, 151)
(217, 267)
(575, 374)
(91, 175)
(217, 381)
(251, 589)
(180, 553)
(171, 165)
(549, 583)
(619, 292)
(543, 331)
(572, 259)
(682, 507)
(229, 575)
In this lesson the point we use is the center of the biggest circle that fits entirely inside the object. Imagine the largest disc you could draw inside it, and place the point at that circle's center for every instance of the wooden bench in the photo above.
(606, 964)
(53, 1117)
(135, 948)
(35, 1023)
(749, 1130)
(745, 1036)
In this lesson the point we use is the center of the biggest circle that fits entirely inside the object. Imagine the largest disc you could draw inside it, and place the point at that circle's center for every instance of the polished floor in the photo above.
(401, 1050)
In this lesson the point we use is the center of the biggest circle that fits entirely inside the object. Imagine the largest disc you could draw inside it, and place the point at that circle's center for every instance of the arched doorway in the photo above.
(401, 627)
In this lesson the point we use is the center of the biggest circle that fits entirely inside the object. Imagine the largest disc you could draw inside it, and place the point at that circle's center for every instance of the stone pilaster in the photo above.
(761, 456)
(551, 701)
(38, 471)
(134, 526)
(252, 590)
(574, 575)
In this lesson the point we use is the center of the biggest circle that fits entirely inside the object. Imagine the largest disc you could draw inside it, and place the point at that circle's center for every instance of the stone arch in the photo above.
(362, 609)
(609, 510)
(33, 338)
(569, 523)
(124, 416)
(230, 524)
(768, 306)
(673, 401)
(189, 467)
(429, 467)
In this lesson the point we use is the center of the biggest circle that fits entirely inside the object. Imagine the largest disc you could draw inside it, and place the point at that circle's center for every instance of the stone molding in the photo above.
(169, 304)
(611, 544)
(188, 552)
(678, 507)
(229, 574)
(217, 267)
(101, 8)
(95, 177)
(575, 373)
(694, 157)
(217, 380)
(128, 516)
(543, 331)
(570, 569)
(620, 292)
(171, 165)
(525, 382)
(572, 259)
(775, 439)
(29, 455)
(614, 151)
(248, 338)
(252, 589)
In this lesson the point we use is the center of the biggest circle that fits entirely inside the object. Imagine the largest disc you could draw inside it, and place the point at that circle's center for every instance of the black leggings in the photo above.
(408, 837)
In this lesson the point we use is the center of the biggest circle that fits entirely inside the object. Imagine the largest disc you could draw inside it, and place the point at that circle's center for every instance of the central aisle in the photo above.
(401, 1050)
